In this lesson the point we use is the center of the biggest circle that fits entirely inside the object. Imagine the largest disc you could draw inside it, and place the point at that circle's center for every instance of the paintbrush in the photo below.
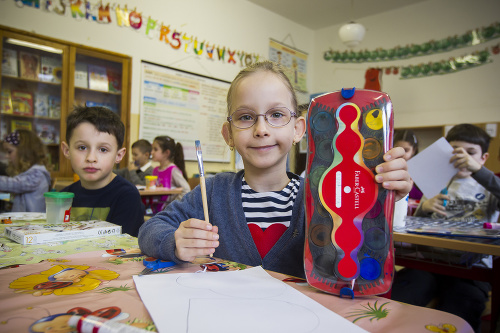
(202, 180)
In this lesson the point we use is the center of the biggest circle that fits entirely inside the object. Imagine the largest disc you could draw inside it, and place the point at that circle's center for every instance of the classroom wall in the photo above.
(236, 24)
(467, 96)
(471, 95)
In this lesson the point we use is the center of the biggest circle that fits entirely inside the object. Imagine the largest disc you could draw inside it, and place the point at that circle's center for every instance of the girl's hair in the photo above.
(264, 66)
(176, 151)
(407, 135)
(30, 151)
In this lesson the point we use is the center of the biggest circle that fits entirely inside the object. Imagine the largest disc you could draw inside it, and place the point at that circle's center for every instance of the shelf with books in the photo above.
(42, 78)
(32, 81)
(99, 91)
(37, 81)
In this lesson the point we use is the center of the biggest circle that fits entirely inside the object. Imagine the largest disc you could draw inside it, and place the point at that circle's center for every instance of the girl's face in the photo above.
(263, 147)
(11, 152)
(158, 154)
(409, 151)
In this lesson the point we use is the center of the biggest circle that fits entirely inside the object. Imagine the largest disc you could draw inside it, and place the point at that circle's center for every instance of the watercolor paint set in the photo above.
(348, 248)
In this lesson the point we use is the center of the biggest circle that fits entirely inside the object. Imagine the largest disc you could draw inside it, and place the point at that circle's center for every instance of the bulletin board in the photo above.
(186, 107)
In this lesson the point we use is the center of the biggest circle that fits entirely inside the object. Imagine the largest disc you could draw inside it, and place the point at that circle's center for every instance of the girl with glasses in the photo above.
(257, 215)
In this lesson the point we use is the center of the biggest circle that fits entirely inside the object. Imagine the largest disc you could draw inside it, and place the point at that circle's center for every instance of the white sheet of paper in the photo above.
(431, 169)
(249, 300)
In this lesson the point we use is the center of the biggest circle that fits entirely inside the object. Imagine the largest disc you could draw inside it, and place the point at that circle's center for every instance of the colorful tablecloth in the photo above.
(12, 253)
(37, 296)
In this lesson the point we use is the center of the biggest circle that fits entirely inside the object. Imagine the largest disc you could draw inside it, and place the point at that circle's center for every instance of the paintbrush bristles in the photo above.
(200, 158)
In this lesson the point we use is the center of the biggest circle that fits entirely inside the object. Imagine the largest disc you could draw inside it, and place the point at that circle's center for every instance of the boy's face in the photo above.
(93, 155)
(139, 157)
(474, 151)
(263, 147)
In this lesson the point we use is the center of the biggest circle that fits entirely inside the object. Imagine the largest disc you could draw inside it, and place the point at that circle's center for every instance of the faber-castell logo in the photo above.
(357, 189)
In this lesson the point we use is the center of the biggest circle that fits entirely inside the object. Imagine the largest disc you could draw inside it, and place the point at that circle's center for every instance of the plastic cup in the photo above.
(58, 206)
(151, 182)
(400, 212)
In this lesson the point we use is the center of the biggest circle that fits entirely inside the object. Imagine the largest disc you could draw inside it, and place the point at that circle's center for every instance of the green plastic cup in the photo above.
(58, 206)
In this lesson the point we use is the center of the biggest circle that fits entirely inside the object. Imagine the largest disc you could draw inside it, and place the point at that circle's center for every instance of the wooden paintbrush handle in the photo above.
(204, 198)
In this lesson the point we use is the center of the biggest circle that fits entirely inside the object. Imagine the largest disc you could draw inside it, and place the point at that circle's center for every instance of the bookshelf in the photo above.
(42, 79)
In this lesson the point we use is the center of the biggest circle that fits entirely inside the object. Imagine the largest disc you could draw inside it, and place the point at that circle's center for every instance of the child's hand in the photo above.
(462, 160)
(195, 238)
(393, 173)
(435, 204)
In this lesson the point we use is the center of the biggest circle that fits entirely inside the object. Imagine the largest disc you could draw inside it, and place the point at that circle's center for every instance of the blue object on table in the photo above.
(444, 191)
(346, 292)
(152, 264)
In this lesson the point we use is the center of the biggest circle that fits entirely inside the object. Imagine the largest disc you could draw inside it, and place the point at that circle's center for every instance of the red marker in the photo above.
(488, 225)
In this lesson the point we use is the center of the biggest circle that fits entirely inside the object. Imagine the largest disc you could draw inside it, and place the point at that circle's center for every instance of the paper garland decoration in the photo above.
(102, 13)
(446, 66)
(474, 37)
(452, 65)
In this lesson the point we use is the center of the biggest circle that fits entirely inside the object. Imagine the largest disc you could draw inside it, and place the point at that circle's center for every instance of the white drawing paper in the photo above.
(249, 300)
(431, 169)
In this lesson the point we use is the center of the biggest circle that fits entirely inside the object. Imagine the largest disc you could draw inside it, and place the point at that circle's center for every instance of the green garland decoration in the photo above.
(446, 66)
(474, 37)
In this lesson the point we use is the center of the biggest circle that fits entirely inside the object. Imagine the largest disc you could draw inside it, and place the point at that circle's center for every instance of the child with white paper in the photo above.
(474, 192)
(473, 195)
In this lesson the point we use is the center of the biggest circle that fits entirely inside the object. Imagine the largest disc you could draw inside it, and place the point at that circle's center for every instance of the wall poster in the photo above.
(186, 107)
(294, 61)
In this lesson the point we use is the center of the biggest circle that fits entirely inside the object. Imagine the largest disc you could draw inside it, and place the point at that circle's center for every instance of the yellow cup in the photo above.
(151, 182)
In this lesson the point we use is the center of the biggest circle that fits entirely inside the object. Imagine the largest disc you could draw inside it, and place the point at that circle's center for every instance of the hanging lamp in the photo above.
(352, 33)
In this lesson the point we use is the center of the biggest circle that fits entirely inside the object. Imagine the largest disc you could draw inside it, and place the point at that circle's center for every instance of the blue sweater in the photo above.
(156, 236)
(28, 188)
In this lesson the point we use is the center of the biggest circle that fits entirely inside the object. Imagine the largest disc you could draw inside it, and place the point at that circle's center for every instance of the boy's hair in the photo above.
(143, 145)
(176, 151)
(407, 135)
(30, 151)
(104, 120)
(264, 66)
(471, 134)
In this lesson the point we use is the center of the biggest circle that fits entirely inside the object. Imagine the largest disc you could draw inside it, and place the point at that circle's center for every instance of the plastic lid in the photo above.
(59, 195)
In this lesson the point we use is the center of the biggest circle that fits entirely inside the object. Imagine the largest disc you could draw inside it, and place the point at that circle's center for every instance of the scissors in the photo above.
(152, 264)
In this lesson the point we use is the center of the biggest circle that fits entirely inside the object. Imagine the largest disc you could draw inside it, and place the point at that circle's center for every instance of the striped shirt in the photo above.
(267, 208)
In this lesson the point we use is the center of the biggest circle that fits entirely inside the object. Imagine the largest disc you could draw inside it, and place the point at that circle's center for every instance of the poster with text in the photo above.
(186, 107)
(294, 62)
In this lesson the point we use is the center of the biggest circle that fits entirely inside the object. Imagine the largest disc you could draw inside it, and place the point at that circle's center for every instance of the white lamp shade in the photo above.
(351, 34)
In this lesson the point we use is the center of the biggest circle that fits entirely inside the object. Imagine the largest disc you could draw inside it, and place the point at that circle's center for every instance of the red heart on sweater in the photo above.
(265, 239)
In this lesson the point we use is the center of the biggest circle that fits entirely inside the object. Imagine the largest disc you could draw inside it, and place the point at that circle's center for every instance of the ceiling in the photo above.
(317, 14)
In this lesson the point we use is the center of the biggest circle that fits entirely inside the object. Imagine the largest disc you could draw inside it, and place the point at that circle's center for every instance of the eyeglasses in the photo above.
(276, 117)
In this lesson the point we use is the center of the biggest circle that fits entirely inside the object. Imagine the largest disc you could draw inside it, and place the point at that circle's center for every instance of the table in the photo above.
(30, 297)
(475, 245)
(160, 191)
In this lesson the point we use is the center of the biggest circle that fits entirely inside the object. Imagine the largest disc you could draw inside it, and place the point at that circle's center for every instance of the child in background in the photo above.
(406, 139)
(28, 178)
(172, 171)
(473, 195)
(257, 214)
(141, 165)
(94, 139)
